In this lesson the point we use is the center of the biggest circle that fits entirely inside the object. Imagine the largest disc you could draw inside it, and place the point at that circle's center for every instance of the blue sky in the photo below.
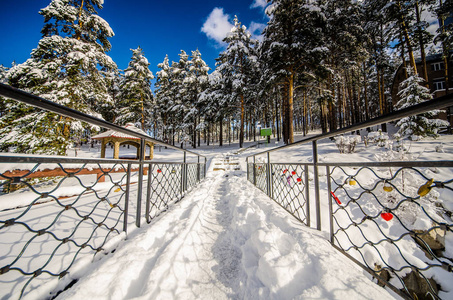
(159, 27)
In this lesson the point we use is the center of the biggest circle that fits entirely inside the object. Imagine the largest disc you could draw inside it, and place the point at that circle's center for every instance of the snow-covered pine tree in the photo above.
(195, 83)
(3, 79)
(3, 71)
(345, 41)
(179, 106)
(292, 44)
(212, 104)
(136, 98)
(164, 99)
(237, 64)
(422, 125)
(380, 65)
(67, 67)
(108, 109)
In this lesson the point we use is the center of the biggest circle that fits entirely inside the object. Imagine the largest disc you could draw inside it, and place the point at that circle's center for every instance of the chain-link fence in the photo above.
(391, 218)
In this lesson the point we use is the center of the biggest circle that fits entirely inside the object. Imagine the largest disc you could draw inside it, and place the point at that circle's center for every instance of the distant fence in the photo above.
(56, 210)
(385, 216)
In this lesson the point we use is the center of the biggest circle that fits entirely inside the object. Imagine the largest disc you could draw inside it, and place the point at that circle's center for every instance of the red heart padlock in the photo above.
(299, 179)
(159, 171)
(387, 216)
(293, 172)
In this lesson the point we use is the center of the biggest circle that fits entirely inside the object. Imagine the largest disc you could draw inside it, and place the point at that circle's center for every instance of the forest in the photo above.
(321, 64)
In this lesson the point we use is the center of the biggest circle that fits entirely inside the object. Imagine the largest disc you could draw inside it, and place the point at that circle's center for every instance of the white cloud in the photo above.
(256, 29)
(432, 20)
(259, 3)
(217, 25)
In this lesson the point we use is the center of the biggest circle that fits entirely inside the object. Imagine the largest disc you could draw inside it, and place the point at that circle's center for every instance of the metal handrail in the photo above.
(438, 103)
(30, 99)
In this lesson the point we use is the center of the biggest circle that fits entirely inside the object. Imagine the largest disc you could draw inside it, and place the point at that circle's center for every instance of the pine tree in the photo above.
(164, 99)
(345, 41)
(3, 79)
(108, 110)
(422, 125)
(68, 67)
(135, 98)
(195, 83)
(292, 44)
(179, 106)
(236, 65)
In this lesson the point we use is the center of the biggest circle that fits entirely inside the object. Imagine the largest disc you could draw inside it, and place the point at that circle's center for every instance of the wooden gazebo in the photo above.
(118, 139)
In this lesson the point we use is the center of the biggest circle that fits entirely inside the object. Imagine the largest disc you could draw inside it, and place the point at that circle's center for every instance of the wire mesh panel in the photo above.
(290, 189)
(192, 174)
(52, 214)
(261, 176)
(392, 221)
(165, 187)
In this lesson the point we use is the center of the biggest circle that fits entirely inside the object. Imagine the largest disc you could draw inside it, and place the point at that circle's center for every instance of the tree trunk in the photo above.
(365, 85)
(424, 71)
(277, 118)
(405, 32)
(221, 133)
(199, 132)
(241, 134)
(194, 133)
(304, 120)
(291, 108)
(446, 54)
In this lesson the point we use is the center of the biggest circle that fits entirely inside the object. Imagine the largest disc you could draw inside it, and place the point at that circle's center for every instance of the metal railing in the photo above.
(56, 210)
(378, 213)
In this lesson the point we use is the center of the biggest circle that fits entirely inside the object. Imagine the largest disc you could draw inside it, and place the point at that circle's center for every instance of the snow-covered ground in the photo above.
(225, 239)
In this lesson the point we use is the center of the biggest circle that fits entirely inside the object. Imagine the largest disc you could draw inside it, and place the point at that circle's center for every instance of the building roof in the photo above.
(116, 134)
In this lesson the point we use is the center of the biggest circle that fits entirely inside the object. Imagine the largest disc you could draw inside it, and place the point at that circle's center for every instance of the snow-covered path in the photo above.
(225, 240)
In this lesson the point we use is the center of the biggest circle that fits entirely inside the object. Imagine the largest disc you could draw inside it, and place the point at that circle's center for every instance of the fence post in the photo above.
(269, 173)
(183, 174)
(254, 171)
(307, 195)
(205, 166)
(148, 194)
(126, 198)
(329, 196)
(140, 181)
(198, 169)
(316, 179)
(186, 170)
(247, 163)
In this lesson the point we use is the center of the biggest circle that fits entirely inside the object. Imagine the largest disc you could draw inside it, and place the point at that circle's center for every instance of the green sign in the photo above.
(266, 132)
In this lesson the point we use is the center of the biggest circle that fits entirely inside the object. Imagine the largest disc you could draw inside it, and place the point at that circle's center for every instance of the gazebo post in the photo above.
(116, 150)
(103, 145)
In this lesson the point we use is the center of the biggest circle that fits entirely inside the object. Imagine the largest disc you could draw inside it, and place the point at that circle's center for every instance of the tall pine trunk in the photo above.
(424, 70)
(221, 132)
(290, 108)
(241, 134)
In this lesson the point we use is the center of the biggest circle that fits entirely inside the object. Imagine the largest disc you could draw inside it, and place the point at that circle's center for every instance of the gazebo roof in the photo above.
(116, 134)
